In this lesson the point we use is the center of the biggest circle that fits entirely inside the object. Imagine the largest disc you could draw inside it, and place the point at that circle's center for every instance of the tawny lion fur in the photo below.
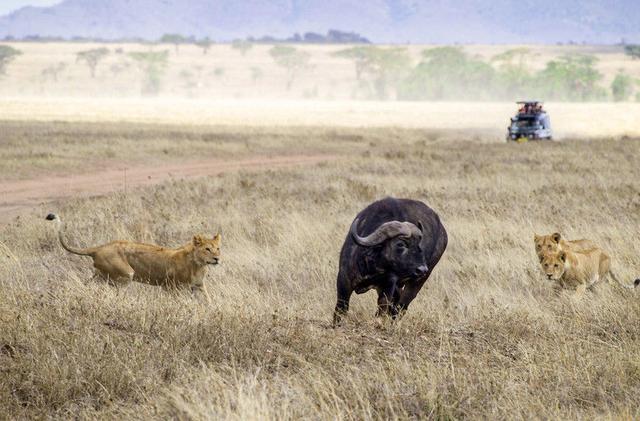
(553, 243)
(574, 264)
(579, 270)
(120, 262)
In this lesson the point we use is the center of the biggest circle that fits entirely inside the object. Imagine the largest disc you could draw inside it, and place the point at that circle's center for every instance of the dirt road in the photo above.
(19, 196)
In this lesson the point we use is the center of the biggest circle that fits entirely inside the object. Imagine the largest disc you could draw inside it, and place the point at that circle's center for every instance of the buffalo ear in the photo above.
(556, 237)
(197, 240)
(563, 256)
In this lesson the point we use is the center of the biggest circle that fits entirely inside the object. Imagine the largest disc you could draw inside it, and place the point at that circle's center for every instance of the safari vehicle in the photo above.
(530, 123)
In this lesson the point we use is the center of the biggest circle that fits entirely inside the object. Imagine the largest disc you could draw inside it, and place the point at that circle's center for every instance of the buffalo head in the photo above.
(398, 245)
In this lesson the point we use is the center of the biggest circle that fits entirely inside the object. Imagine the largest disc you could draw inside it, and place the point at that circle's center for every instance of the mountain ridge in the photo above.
(382, 21)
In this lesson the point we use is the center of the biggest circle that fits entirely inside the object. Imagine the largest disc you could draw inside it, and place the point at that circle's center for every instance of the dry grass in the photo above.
(32, 149)
(486, 338)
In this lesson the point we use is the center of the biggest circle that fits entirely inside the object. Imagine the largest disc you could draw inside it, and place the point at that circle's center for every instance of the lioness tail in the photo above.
(80, 252)
(622, 284)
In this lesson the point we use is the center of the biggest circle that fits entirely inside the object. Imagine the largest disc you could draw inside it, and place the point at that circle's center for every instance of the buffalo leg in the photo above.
(386, 298)
(342, 305)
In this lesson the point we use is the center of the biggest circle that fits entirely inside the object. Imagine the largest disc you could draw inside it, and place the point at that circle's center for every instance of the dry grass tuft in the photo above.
(486, 338)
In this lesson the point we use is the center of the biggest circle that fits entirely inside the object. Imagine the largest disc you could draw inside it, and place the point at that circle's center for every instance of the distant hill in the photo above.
(395, 21)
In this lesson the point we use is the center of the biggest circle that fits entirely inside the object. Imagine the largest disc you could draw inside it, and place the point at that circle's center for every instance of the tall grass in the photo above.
(486, 337)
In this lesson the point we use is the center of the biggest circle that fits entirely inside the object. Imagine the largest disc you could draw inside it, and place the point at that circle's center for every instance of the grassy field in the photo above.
(226, 73)
(486, 337)
(38, 149)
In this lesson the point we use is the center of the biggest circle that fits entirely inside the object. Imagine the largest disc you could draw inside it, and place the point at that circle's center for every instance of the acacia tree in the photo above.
(514, 75)
(382, 67)
(175, 39)
(7, 54)
(241, 45)
(205, 44)
(387, 67)
(449, 73)
(256, 73)
(153, 64)
(92, 58)
(53, 71)
(632, 50)
(571, 77)
(293, 60)
(360, 55)
(378, 69)
(622, 87)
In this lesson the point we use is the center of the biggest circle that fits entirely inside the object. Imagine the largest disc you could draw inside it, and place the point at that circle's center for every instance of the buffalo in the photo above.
(392, 247)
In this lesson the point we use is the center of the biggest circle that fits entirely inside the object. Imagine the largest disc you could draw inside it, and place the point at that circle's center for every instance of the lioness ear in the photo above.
(563, 256)
(197, 240)
(556, 237)
(217, 237)
(535, 237)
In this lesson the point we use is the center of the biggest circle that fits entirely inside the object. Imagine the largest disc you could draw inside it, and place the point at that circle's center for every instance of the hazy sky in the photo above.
(7, 6)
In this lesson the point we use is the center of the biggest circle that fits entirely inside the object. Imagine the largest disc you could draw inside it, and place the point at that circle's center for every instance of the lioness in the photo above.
(579, 270)
(121, 262)
(554, 242)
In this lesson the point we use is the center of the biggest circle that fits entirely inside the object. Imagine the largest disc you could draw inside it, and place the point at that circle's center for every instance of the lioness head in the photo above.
(546, 243)
(553, 264)
(207, 251)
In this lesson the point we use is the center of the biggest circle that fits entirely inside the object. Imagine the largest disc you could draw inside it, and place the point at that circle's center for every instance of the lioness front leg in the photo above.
(201, 290)
(100, 276)
(557, 289)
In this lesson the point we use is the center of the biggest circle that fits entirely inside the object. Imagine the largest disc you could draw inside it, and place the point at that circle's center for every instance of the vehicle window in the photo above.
(526, 122)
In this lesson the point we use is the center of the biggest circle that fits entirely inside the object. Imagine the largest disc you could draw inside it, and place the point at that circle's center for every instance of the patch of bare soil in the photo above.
(18, 196)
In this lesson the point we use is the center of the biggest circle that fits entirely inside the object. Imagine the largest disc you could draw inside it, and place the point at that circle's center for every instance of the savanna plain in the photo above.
(486, 337)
